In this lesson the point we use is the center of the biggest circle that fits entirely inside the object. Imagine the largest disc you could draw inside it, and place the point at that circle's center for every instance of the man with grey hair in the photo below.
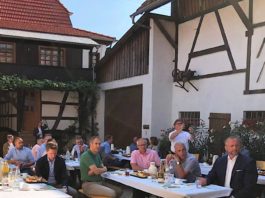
(184, 165)
(141, 158)
(234, 170)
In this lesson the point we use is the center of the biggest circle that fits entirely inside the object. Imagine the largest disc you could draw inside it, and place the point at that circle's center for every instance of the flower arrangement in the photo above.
(200, 141)
(252, 134)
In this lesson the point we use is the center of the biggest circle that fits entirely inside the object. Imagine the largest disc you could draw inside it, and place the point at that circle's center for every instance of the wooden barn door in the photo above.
(31, 112)
(219, 120)
(123, 114)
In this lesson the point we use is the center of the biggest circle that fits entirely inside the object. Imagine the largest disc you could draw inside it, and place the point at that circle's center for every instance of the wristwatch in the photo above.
(178, 162)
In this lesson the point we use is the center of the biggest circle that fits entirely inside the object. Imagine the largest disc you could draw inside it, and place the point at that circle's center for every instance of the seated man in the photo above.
(20, 156)
(52, 167)
(234, 170)
(8, 145)
(133, 145)
(106, 155)
(141, 158)
(79, 147)
(184, 165)
(91, 168)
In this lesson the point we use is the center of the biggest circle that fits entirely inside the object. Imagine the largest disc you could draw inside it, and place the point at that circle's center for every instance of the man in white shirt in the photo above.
(234, 170)
(36, 148)
(179, 135)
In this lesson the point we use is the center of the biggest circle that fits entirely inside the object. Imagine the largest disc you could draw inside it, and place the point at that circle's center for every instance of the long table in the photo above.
(72, 164)
(175, 191)
(34, 191)
(205, 168)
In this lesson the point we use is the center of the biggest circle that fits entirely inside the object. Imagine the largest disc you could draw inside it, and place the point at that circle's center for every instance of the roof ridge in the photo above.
(94, 33)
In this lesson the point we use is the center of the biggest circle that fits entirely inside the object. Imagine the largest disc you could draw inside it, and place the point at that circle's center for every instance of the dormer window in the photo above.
(52, 56)
(7, 52)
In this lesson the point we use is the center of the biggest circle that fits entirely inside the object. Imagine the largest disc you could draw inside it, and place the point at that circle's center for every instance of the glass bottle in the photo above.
(5, 169)
(161, 170)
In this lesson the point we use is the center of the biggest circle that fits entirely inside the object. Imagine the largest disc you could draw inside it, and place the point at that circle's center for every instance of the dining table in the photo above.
(122, 156)
(36, 190)
(180, 190)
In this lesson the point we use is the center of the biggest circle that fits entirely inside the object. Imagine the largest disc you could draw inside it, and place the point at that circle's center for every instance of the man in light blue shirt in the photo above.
(105, 146)
(79, 147)
(20, 156)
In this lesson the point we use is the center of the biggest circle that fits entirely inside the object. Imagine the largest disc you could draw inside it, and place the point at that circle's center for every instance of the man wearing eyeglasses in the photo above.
(141, 158)
(178, 135)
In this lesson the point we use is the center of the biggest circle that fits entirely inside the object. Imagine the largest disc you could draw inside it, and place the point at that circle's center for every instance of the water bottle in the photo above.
(67, 155)
(17, 172)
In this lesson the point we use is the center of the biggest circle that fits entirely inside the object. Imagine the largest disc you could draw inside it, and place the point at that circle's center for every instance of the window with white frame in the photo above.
(190, 117)
(52, 56)
(7, 52)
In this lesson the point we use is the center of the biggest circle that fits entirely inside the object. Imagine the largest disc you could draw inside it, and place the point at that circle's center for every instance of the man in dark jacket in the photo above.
(52, 167)
(234, 170)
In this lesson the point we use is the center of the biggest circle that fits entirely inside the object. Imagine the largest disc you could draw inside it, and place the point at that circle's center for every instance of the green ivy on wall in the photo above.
(14, 82)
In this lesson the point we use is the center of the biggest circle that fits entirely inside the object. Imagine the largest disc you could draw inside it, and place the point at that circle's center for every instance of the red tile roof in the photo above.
(46, 16)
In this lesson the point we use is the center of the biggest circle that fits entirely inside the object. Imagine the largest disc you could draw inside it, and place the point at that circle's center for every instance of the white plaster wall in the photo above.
(157, 92)
(223, 94)
(217, 95)
(162, 55)
(85, 58)
(53, 110)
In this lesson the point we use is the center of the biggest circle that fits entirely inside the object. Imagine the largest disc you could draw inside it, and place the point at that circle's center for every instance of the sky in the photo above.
(108, 17)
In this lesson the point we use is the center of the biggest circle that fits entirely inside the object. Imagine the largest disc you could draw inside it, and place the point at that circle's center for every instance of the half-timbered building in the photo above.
(204, 62)
(38, 42)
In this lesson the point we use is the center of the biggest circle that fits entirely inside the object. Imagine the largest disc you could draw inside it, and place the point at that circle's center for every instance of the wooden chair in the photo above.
(260, 165)
(93, 196)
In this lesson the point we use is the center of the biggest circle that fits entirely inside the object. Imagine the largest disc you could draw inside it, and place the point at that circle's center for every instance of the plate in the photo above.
(139, 175)
(35, 179)
(126, 155)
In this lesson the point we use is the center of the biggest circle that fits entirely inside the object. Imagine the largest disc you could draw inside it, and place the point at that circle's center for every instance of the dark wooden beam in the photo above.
(7, 115)
(61, 110)
(208, 51)
(58, 103)
(62, 118)
(261, 48)
(229, 53)
(194, 41)
(213, 75)
(242, 15)
(165, 33)
(256, 91)
(204, 12)
(257, 25)
(249, 45)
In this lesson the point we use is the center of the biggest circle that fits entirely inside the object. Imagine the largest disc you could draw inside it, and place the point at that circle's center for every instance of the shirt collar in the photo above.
(234, 158)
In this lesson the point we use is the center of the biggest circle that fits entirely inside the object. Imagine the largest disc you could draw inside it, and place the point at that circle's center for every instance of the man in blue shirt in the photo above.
(105, 151)
(20, 156)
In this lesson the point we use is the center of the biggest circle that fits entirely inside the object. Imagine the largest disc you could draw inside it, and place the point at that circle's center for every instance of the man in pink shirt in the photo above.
(141, 158)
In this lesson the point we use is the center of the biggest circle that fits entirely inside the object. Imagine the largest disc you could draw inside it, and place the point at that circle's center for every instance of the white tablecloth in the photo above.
(179, 191)
(121, 157)
(34, 191)
(72, 164)
(206, 168)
